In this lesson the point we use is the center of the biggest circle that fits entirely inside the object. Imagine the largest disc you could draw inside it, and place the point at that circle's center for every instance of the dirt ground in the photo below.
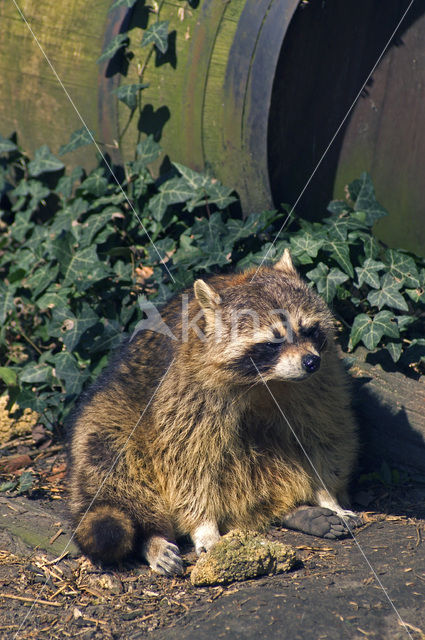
(332, 593)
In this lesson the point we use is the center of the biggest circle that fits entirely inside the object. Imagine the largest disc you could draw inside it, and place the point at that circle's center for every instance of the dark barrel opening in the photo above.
(328, 52)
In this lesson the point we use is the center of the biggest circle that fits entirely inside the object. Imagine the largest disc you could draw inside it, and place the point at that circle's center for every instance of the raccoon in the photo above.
(237, 415)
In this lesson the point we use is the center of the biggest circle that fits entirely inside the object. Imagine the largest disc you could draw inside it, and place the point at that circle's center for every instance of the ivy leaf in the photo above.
(368, 273)
(366, 201)
(41, 278)
(387, 322)
(78, 139)
(402, 267)
(370, 331)
(305, 242)
(54, 296)
(25, 483)
(6, 301)
(66, 183)
(173, 191)
(354, 189)
(193, 179)
(370, 244)
(205, 189)
(327, 280)
(337, 229)
(21, 225)
(157, 34)
(33, 373)
(337, 207)
(218, 194)
(95, 223)
(70, 327)
(340, 252)
(123, 3)
(360, 328)
(81, 268)
(7, 486)
(389, 295)
(404, 322)
(128, 93)
(96, 184)
(147, 151)
(6, 146)
(44, 162)
(115, 44)
(417, 295)
(8, 376)
(68, 371)
(38, 193)
(394, 349)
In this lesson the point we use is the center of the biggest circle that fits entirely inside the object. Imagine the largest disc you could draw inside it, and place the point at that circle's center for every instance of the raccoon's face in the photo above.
(273, 328)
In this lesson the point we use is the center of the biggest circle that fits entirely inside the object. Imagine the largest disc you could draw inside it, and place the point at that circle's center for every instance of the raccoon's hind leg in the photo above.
(328, 520)
(316, 521)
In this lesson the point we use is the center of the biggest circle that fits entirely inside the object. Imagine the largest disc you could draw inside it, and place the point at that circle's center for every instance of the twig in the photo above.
(18, 440)
(54, 449)
(32, 600)
(56, 593)
(34, 346)
(413, 628)
(56, 536)
(61, 557)
(95, 620)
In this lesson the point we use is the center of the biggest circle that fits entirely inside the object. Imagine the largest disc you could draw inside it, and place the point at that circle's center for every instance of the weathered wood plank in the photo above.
(391, 414)
(36, 526)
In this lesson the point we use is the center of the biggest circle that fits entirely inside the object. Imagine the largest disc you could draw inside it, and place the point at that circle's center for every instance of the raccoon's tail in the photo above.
(106, 533)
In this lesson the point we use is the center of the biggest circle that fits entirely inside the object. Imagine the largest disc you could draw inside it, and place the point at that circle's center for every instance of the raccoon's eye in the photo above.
(314, 334)
(310, 332)
(271, 345)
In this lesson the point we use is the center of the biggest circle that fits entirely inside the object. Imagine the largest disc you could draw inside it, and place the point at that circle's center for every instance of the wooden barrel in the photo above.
(328, 53)
(252, 89)
(209, 102)
(32, 102)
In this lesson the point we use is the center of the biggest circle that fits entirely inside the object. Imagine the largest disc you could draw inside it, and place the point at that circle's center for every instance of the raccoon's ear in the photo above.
(285, 263)
(205, 295)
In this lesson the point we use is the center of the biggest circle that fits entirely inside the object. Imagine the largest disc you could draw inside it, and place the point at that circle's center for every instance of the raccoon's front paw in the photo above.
(205, 536)
(321, 522)
(163, 556)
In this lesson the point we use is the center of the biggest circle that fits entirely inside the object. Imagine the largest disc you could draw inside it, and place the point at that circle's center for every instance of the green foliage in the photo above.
(7, 145)
(78, 139)
(116, 43)
(154, 44)
(128, 93)
(44, 162)
(77, 251)
(157, 34)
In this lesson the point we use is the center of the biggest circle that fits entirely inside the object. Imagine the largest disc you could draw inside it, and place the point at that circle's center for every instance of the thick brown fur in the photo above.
(212, 446)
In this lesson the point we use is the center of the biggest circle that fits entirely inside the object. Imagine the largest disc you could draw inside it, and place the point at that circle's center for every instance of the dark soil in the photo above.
(333, 593)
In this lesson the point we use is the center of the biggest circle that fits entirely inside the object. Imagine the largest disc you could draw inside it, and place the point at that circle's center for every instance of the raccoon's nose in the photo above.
(311, 363)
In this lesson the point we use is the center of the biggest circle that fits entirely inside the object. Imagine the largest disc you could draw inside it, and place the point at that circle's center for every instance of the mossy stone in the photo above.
(241, 555)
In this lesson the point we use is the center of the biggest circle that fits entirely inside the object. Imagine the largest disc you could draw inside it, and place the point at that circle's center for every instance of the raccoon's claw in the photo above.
(169, 561)
(164, 557)
(321, 522)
